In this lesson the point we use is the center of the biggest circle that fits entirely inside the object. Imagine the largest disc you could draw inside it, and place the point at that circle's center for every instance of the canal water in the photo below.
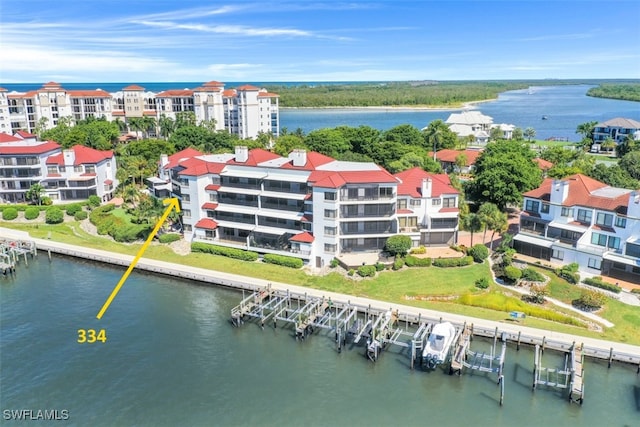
(173, 359)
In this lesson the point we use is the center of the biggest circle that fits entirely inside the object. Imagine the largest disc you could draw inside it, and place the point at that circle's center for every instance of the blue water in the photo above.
(173, 359)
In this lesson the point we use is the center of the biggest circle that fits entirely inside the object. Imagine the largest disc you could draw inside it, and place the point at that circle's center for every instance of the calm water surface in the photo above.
(566, 107)
(173, 359)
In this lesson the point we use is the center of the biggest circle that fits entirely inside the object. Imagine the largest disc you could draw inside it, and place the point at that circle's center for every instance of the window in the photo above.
(415, 202)
(186, 198)
(436, 202)
(545, 208)
(77, 168)
(330, 248)
(90, 169)
(386, 192)
(604, 219)
(595, 263)
(531, 206)
(330, 213)
(52, 169)
(566, 212)
(599, 239)
(621, 222)
(187, 227)
(402, 203)
(186, 213)
(614, 242)
(449, 202)
(557, 254)
(329, 195)
(330, 231)
(584, 216)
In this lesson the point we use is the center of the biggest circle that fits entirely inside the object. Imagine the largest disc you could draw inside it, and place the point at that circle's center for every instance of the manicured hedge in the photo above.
(398, 263)
(224, 251)
(283, 260)
(22, 207)
(54, 215)
(569, 273)
(599, 283)
(532, 275)
(80, 215)
(482, 283)
(73, 208)
(413, 261)
(31, 212)
(169, 237)
(420, 250)
(119, 229)
(512, 273)
(367, 270)
(479, 252)
(453, 262)
(9, 214)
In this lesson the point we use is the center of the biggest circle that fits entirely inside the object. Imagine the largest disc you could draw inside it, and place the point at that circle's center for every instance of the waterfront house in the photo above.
(578, 219)
(617, 129)
(472, 124)
(305, 205)
(66, 175)
(246, 111)
(460, 161)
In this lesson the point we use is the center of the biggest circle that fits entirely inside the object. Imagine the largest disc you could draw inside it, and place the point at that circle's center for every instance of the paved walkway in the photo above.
(599, 348)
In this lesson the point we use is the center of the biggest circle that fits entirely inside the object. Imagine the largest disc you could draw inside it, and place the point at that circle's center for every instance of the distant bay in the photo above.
(564, 106)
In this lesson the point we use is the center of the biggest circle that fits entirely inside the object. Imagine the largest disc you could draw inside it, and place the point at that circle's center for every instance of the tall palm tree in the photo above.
(472, 223)
(167, 126)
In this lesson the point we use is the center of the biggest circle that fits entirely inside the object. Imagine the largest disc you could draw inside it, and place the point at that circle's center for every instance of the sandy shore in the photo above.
(398, 108)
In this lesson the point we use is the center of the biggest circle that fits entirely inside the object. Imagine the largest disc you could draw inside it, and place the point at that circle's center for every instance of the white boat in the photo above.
(438, 345)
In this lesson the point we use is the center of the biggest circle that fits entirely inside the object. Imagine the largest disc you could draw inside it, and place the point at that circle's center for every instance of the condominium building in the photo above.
(245, 111)
(305, 205)
(578, 219)
(66, 175)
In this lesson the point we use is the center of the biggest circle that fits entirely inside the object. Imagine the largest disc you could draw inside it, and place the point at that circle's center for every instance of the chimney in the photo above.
(633, 208)
(426, 187)
(299, 157)
(242, 154)
(69, 157)
(559, 191)
(164, 159)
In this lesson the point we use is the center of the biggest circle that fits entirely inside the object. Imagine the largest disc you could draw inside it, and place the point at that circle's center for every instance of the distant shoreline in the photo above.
(397, 108)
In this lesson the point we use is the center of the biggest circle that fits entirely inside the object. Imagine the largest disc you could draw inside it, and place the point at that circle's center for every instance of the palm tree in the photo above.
(167, 126)
(472, 223)
(608, 144)
(131, 195)
(500, 224)
(487, 212)
(122, 126)
(137, 124)
(628, 145)
(586, 130)
(34, 193)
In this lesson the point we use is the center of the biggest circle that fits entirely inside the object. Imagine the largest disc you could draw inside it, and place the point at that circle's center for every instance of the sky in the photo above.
(281, 41)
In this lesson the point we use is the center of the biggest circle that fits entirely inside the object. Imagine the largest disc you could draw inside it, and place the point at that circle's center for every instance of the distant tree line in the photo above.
(626, 92)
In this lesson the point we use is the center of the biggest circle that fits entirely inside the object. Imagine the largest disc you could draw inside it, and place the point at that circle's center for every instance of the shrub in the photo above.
(9, 214)
(334, 263)
(224, 251)
(420, 250)
(283, 260)
(453, 262)
(367, 271)
(590, 300)
(398, 244)
(569, 273)
(635, 291)
(94, 201)
(398, 263)
(80, 215)
(54, 215)
(169, 237)
(129, 232)
(379, 266)
(512, 273)
(73, 208)
(46, 201)
(31, 213)
(532, 275)
(351, 272)
(482, 283)
(412, 261)
(599, 283)
(479, 252)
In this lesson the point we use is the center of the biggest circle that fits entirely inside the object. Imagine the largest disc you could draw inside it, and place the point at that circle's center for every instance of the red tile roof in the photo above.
(248, 88)
(304, 237)
(447, 210)
(212, 187)
(229, 92)
(257, 155)
(30, 149)
(98, 93)
(314, 159)
(268, 95)
(25, 135)
(175, 93)
(108, 182)
(580, 192)
(197, 167)
(5, 137)
(176, 158)
(411, 184)
(210, 206)
(212, 83)
(83, 156)
(404, 211)
(133, 87)
(543, 164)
(207, 224)
(449, 156)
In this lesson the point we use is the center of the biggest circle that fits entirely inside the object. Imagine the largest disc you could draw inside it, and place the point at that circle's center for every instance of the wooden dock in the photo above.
(569, 378)
(576, 393)
(13, 249)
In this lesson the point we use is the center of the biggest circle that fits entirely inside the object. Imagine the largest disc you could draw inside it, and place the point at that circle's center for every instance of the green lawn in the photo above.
(420, 287)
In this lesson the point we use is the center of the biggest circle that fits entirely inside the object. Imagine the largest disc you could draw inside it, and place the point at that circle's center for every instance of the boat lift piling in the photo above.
(570, 377)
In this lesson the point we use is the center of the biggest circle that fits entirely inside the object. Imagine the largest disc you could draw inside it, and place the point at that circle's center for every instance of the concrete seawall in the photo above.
(595, 348)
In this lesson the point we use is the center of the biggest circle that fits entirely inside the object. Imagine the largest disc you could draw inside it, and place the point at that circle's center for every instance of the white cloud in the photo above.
(226, 29)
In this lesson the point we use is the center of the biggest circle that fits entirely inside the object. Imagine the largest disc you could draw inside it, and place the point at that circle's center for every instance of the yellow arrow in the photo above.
(173, 203)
